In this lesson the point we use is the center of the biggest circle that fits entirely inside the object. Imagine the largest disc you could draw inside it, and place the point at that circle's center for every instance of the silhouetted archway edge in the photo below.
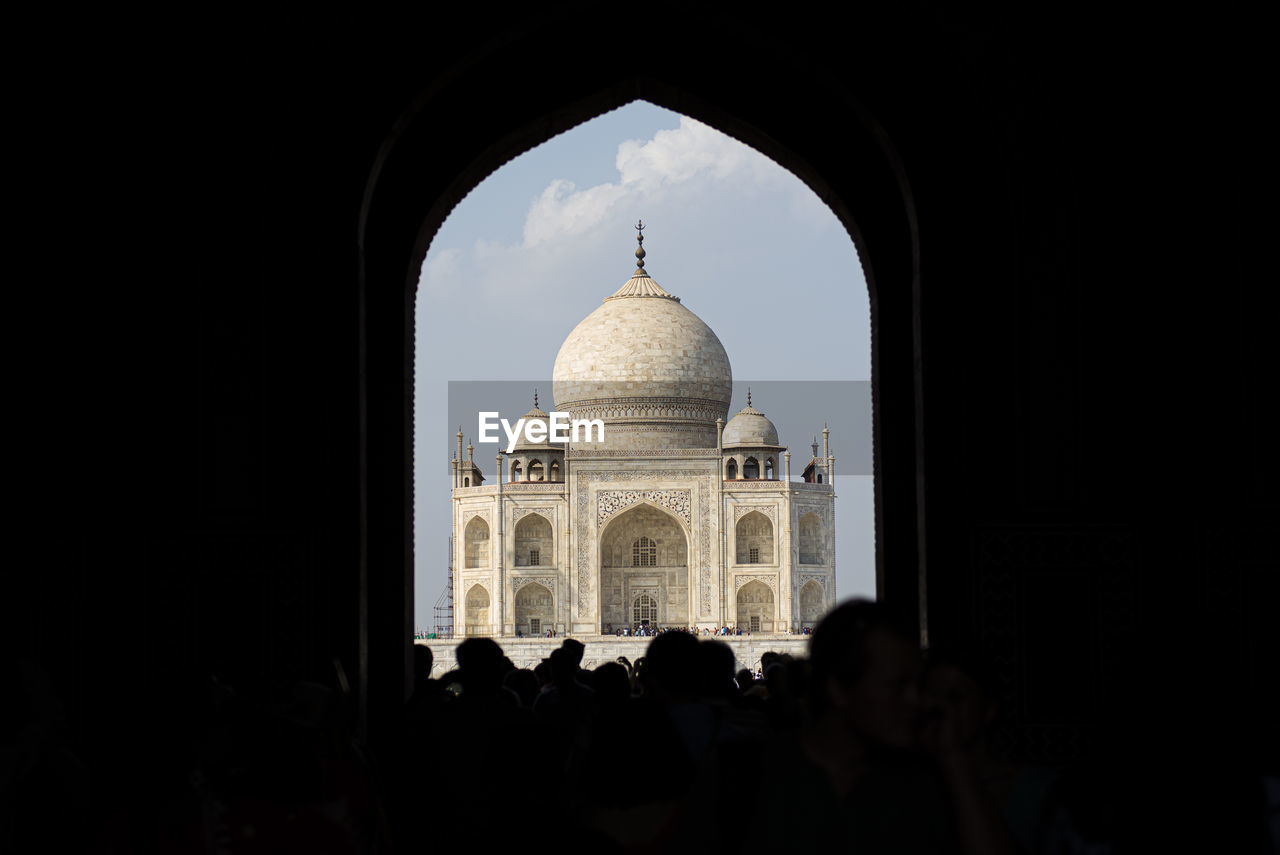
(443, 146)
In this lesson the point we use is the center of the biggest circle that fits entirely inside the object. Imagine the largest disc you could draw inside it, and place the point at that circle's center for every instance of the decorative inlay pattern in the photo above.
(769, 579)
(609, 502)
(548, 582)
(657, 408)
(704, 502)
(805, 578)
(820, 510)
(734, 485)
(548, 513)
(770, 511)
(483, 514)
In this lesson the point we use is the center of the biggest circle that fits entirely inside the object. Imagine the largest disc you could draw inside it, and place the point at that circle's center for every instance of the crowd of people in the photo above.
(647, 630)
(867, 745)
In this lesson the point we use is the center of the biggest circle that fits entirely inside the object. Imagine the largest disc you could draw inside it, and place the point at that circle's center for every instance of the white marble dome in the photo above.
(750, 427)
(642, 358)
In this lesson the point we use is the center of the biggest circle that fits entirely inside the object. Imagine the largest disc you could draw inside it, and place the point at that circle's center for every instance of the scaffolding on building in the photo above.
(444, 605)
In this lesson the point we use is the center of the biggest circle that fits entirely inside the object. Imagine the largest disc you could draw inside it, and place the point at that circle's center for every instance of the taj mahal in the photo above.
(673, 516)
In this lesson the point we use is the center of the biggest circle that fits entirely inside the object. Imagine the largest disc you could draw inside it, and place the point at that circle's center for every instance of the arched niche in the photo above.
(753, 539)
(534, 544)
(535, 609)
(813, 603)
(813, 539)
(754, 607)
(476, 605)
(476, 543)
(641, 534)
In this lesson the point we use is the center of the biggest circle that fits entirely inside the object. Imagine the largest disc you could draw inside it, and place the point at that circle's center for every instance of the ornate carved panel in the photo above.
(770, 579)
(548, 513)
(770, 511)
(704, 503)
(609, 502)
(548, 582)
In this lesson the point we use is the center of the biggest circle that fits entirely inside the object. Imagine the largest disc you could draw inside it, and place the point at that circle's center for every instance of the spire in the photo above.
(641, 284)
(535, 397)
(748, 396)
(640, 249)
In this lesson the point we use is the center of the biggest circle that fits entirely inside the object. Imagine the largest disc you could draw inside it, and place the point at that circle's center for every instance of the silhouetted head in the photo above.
(612, 683)
(865, 674)
(423, 661)
(671, 666)
(715, 666)
(523, 682)
(482, 664)
(575, 649)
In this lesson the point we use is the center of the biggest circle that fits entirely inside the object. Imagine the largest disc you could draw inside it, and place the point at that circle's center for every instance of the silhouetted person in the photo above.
(873, 769)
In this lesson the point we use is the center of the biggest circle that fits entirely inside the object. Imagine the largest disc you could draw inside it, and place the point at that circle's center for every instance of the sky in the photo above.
(748, 248)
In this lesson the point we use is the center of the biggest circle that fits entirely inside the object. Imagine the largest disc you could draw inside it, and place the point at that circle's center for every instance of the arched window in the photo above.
(644, 553)
(515, 470)
(644, 610)
(768, 469)
(535, 470)
(555, 470)
(751, 468)
(731, 470)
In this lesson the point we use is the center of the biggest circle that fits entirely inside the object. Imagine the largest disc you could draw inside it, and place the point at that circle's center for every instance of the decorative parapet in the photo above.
(534, 487)
(489, 490)
(734, 484)
(510, 487)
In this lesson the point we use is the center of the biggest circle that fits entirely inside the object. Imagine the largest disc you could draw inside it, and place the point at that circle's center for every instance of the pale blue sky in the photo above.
(537, 245)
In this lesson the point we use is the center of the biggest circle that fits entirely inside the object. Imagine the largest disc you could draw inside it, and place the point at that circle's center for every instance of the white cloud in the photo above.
(692, 153)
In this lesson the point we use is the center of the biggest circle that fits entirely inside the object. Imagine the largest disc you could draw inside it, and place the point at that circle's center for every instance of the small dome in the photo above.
(749, 427)
(523, 443)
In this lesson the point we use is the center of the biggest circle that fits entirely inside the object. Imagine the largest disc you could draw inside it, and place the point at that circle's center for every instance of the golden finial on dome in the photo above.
(748, 396)
(640, 249)
(535, 398)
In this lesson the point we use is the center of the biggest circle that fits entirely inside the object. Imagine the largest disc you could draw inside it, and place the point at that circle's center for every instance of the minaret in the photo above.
(826, 450)
(457, 478)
